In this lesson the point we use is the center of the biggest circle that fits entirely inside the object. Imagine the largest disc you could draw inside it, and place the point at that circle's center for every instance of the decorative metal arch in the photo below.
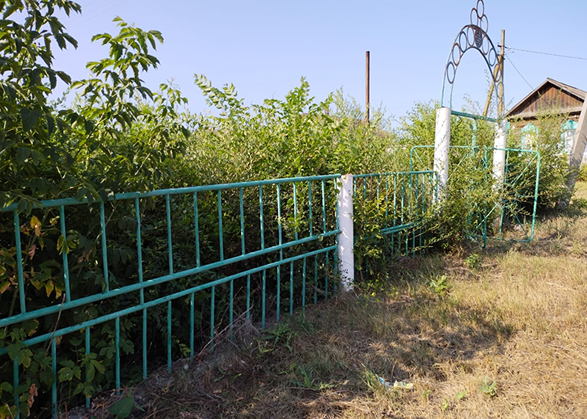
(473, 36)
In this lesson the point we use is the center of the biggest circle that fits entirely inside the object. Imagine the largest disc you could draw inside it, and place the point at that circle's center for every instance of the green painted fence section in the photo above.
(105, 292)
(256, 250)
(392, 207)
(518, 190)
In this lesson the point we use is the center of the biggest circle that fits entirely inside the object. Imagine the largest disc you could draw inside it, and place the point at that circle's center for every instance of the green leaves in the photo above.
(488, 387)
(29, 118)
(122, 408)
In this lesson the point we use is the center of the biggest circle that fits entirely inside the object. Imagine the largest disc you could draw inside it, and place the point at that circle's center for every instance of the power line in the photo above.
(546, 53)
(516, 68)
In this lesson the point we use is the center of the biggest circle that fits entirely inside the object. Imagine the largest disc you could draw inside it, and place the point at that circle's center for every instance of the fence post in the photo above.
(441, 147)
(346, 260)
(499, 155)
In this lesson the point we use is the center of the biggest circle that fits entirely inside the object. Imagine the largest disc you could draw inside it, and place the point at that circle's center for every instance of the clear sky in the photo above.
(264, 47)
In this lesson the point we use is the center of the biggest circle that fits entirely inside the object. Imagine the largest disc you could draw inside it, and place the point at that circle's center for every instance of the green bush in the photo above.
(582, 175)
(554, 169)
(118, 135)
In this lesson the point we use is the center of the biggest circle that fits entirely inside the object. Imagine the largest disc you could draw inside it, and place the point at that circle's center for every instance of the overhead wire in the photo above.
(546, 53)
(518, 71)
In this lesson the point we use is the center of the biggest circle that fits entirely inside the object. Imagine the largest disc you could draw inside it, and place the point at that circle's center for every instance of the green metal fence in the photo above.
(105, 292)
(390, 214)
(512, 215)
(200, 256)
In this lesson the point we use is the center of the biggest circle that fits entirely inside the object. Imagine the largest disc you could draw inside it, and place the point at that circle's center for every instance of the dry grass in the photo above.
(498, 335)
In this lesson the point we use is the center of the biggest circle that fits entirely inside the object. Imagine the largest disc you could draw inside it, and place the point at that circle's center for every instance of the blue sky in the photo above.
(264, 47)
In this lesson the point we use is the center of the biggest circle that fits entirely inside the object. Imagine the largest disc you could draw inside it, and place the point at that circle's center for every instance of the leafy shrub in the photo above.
(582, 175)
(554, 169)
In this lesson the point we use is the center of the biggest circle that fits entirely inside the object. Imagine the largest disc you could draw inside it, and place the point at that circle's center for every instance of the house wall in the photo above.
(549, 97)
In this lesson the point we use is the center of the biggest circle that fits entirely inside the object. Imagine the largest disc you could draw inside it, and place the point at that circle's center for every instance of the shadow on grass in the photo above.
(329, 358)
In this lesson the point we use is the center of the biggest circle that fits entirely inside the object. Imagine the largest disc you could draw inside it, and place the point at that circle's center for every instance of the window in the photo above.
(569, 130)
(529, 133)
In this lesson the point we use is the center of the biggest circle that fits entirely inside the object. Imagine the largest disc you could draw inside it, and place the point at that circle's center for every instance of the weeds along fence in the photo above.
(95, 295)
(390, 214)
(481, 206)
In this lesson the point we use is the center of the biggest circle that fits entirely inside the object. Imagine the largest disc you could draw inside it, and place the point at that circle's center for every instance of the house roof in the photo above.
(574, 92)
(578, 93)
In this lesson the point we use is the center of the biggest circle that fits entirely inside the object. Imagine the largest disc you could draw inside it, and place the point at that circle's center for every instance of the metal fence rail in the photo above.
(393, 206)
(518, 189)
(256, 249)
(104, 292)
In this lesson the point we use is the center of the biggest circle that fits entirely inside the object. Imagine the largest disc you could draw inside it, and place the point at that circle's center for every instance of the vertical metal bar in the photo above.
(386, 201)
(291, 288)
(117, 347)
(394, 210)
(377, 204)
(336, 205)
(323, 209)
(421, 221)
(192, 325)
(144, 343)
(64, 254)
(231, 309)
(169, 242)
(403, 211)
(280, 255)
(295, 203)
(367, 85)
(54, 385)
(197, 228)
(310, 205)
(240, 192)
(261, 217)
(278, 309)
(169, 336)
(315, 279)
(416, 202)
(248, 297)
(279, 214)
(220, 232)
(19, 263)
(263, 300)
(139, 248)
(410, 217)
(87, 335)
(142, 291)
(212, 323)
(104, 246)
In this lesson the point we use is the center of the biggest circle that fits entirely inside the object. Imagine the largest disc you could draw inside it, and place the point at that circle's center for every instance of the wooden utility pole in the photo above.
(496, 71)
(501, 103)
(367, 83)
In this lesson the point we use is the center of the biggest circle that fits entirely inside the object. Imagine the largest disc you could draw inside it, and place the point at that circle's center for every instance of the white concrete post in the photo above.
(499, 155)
(346, 257)
(441, 146)
(499, 164)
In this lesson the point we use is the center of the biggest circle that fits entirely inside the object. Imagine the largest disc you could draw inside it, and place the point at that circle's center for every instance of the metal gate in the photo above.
(512, 214)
